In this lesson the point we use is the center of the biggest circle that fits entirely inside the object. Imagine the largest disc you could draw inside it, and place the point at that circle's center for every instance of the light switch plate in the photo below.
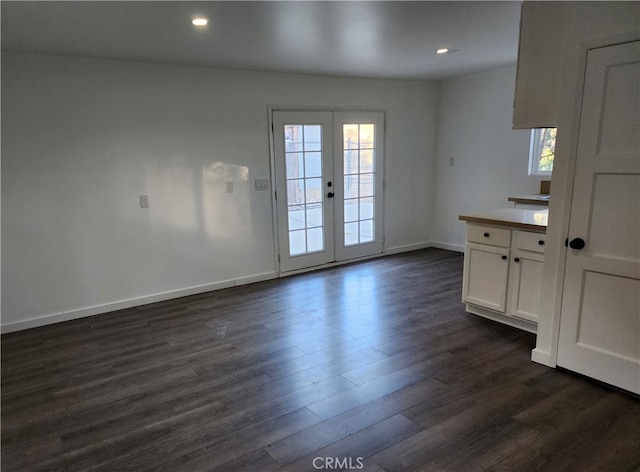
(144, 201)
(262, 184)
(228, 187)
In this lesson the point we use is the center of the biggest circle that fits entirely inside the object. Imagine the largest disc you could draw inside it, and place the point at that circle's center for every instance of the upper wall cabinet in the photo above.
(539, 65)
(551, 34)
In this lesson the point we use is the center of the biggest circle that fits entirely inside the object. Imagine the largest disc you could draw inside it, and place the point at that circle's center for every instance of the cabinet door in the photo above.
(486, 271)
(537, 95)
(525, 285)
(550, 36)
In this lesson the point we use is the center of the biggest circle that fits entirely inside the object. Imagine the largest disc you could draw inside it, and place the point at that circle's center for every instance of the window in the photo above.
(542, 151)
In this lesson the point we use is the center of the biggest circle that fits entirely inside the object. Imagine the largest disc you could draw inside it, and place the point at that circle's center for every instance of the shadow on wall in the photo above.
(213, 202)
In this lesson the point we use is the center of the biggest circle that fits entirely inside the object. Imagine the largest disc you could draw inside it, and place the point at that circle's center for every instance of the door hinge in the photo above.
(278, 258)
(384, 239)
(272, 128)
(275, 195)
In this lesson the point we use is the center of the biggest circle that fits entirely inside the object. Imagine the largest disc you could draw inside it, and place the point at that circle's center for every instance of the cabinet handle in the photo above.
(516, 259)
(504, 258)
(486, 235)
(541, 242)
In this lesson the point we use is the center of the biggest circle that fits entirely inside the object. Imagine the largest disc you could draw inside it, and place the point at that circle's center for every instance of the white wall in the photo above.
(83, 138)
(490, 158)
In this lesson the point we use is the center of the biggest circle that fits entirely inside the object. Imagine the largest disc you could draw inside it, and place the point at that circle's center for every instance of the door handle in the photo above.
(330, 195)
(577, 243)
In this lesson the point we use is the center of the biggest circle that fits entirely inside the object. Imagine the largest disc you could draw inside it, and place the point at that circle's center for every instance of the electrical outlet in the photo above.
(228, 187)
(144, 201)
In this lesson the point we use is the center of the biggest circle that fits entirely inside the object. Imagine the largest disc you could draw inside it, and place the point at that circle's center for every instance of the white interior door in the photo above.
(329, 186)
(600, 317)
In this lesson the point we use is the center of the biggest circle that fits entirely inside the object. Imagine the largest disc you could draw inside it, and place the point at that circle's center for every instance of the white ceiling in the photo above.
(385, 39)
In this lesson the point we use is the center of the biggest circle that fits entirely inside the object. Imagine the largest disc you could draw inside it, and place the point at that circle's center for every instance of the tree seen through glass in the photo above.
(547, 149)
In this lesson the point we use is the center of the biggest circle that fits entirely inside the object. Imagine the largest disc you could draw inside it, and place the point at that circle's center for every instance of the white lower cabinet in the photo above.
(486, 273)
(503, 274)
(525, 284)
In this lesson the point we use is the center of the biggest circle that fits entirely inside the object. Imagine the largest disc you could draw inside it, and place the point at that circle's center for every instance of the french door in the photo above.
(329, 186)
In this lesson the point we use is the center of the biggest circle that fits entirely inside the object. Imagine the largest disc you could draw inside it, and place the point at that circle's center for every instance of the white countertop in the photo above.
(518, 218)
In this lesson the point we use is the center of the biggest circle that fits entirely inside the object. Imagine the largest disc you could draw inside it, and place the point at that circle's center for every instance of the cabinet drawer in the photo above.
(488, 235)
(529, 241)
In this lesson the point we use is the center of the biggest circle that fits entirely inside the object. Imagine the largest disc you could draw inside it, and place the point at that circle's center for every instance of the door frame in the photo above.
(546, 350)
(272, 185)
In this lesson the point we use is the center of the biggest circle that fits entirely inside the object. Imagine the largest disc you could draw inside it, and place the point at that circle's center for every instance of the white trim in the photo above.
(304, 270)
(388, 252)
(251, 279)
(448, 246)
(543, 357)
(272, 190)
(407, 248)
(504, 319)
(131, 302)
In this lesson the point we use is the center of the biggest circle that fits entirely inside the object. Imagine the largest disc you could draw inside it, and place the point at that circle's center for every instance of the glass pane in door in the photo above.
(303, 174)
(359, 150)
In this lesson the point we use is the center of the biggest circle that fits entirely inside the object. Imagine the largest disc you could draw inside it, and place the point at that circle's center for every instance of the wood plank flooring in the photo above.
(373, 366)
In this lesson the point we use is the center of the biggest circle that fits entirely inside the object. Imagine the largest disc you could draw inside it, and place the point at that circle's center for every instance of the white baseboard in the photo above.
(542, 357)
(130, 303)
(448, 246)
(255, 278)
(407, 248)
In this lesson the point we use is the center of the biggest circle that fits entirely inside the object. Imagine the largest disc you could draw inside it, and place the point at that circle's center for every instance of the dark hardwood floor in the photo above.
(374, 366)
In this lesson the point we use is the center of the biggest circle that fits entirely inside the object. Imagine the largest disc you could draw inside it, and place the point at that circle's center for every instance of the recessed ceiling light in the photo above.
(442, 51)
(200, 21)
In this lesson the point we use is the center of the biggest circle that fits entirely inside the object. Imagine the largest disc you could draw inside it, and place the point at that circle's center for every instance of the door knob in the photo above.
(577, 243)
(330, 195)
(329, 184)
